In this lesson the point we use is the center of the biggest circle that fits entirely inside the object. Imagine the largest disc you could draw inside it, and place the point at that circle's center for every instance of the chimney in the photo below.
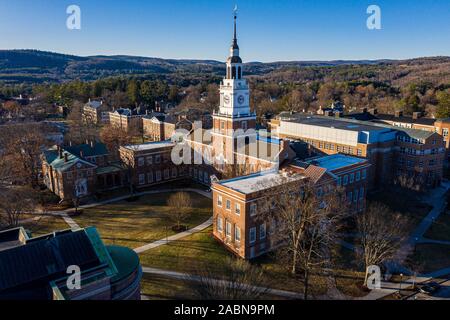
(60, 152)
(398, 114)
(66, 157)
(373, 111)
(92, 143)
(89, 99)
(81, 154)
(70, 143)
(364, 110)
(416, 115)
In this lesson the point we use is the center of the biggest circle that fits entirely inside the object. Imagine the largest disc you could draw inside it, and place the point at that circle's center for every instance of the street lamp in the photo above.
(401, 280)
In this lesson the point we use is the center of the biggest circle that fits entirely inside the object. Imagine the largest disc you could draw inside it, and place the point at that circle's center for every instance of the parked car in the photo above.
(430, 288)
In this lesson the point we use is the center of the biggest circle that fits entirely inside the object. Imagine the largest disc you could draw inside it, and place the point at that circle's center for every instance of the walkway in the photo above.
(194, 278)
(175, 237)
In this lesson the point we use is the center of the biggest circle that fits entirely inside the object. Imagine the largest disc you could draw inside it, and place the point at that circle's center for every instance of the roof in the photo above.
(335, 161)
(314, 173)
(125, 260)
(150, 145)
(45, 257)
(94, 104)
(97, 149)
(259, 181)
(52, 157)
(350, 124)
(406, 119)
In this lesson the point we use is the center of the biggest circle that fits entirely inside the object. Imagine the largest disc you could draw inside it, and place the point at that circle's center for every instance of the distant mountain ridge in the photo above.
(36, 66)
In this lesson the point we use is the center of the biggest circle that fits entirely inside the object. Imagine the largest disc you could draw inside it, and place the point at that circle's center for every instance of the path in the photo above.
(175, 237)
(194, 278)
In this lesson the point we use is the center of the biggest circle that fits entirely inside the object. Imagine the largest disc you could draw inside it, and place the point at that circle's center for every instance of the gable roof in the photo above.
(97, 149)
(52, 158)
(314, 173)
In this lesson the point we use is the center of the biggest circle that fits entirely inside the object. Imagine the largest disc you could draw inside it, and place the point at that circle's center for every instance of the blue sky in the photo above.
(267, 30)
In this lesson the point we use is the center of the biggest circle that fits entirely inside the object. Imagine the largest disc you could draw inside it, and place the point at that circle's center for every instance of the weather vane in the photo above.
(235, 10)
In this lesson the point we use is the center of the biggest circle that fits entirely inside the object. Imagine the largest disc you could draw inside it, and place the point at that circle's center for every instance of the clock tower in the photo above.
(233, 120)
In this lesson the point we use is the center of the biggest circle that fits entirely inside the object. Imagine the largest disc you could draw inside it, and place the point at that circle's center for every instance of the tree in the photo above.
(443, 107)
(381, 233)
(181, 204)
(22, 146)
(114, 138)
(304, 221)
(14, 204)
(242, 281)
(81, 129)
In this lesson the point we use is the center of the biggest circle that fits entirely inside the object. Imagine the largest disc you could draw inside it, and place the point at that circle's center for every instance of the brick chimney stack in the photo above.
(66, 157)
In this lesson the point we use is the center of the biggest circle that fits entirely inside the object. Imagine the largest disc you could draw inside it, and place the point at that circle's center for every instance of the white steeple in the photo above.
(234, 90)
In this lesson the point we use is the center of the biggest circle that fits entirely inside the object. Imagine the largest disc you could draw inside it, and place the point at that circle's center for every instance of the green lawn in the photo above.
(440, 229)
(198, 251)
(430, 257)
(45, 224)
(404, 202)
(134, 224)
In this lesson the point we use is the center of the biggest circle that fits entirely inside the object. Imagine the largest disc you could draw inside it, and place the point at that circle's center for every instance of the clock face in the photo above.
(226, 99)
(241, 99)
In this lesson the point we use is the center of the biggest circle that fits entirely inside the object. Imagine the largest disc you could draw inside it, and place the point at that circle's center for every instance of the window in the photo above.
(262, 231)
(339, 181)
(150, 177)
(228, 204)
(140, 162)
(237, 234)
(352, 177)
(252, 209)
(244, 125)
(158, 158)
(206, 177)
(158, 175)
(355, 195)
(345, 180)
(359, 152)
(350, 196)
(228, 229)
(361, 193)
(222, 125)
(174, 172)
(358, 176)
(142, 178)
(238, 209)
(445, 132)
(220, 225)
(166, 174)
(252, 235)
(149, 160)
(219, 201)
(364, 174)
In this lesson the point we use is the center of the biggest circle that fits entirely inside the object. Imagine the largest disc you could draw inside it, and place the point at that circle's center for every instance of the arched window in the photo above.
(234, 73)
(229, 73)
(239, 73)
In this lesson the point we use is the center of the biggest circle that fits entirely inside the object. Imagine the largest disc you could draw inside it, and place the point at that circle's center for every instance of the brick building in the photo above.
(237, 201)
(95, 111)
(127, 120)
(80, 171)
(383, 145)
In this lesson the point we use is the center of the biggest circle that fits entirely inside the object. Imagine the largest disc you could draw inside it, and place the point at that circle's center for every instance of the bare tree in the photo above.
(304, 221)
(242, 281)
(114, 138)
(181, 203)
(22, 146)
(381, 233)
(14, 204)
(81, 129)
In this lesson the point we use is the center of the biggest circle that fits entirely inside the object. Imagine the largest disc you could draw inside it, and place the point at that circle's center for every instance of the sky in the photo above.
(277, 30)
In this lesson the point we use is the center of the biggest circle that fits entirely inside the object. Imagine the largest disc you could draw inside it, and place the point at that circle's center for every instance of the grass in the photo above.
(430, 257)
(45, 225)
(199, 251)
(440, 229)
(405, 202)
(148, 219)
(157, 287)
